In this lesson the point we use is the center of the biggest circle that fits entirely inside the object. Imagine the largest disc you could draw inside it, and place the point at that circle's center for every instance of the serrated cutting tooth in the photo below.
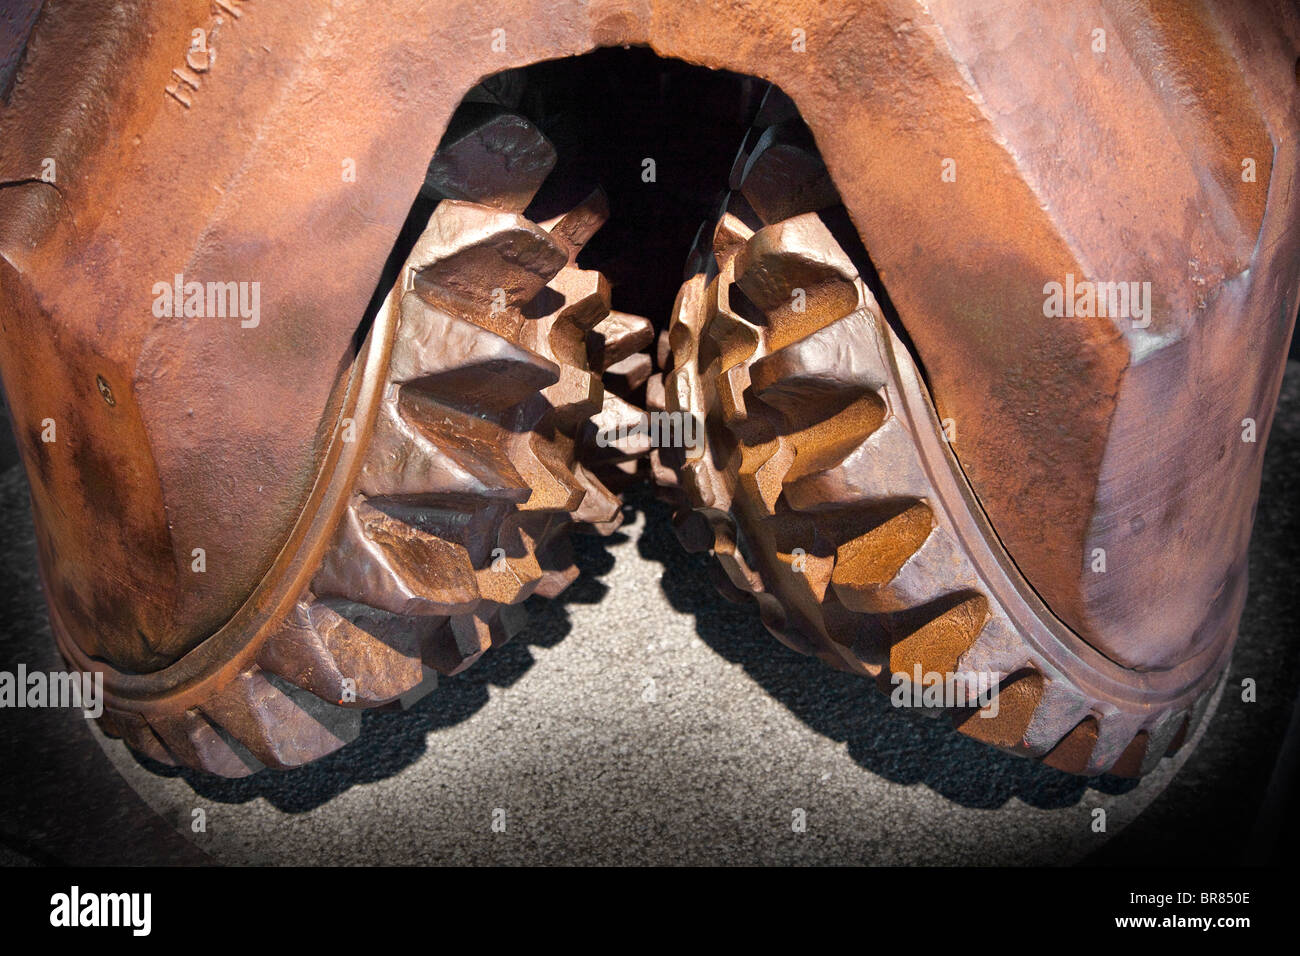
(783, 175)
(482, 262)
(617, 337)
(280, 730)
(388, 563)
(422, 447)
(462, 364)
(349, 653)
(197, 743)
(492, 157)
(819, 452)
(878, 471)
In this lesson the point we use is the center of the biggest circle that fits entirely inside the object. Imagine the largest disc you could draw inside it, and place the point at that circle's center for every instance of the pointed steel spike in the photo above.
(1115, 733)
(734, 338)
(1129, 764)
(559, 570)
(707, 484)
(620, 431)
(549, 474)
(799, 282)
(575, 301)
(512, 571)
(469, 522)
(1061, 709)
(656, 398)
(822, 436)
(586, 297)
(509, 582)
(867, 562)
(998, 649)
(1073, 752)
(600, 507)
(936, 569)
(574, 229)
(663, 350)
(460, 643)
(1159, 736)
(729, 237)
(1018, 696)
(732, 385)
(575, 398)
(938, 642)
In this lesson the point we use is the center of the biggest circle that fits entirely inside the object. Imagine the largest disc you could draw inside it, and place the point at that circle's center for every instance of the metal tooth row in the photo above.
(858, 463)
(256, 720)
(806, 452)
(470, 482)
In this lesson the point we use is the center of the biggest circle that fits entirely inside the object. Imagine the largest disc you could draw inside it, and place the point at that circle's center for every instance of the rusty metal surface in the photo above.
(452, 485)
(828, 495)
(230, 164)
(16, 22)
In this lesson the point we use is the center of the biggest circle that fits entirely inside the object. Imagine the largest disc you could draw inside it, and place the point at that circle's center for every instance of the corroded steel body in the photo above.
(986, 153)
